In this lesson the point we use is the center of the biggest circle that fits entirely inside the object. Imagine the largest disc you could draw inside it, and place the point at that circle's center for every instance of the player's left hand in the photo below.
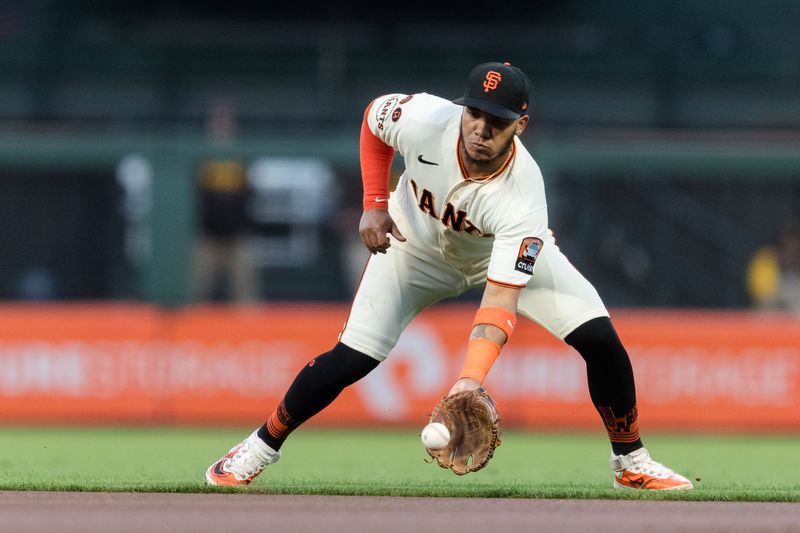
(464, 384)
(472, 419)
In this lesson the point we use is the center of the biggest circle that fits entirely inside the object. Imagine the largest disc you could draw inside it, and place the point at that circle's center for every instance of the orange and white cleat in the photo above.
(243, 463)
(638, 471)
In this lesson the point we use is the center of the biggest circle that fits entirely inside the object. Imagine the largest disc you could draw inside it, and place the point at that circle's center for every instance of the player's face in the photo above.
(487, 138)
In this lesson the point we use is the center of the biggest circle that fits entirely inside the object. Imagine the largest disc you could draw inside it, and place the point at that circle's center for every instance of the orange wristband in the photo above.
(481, 355)
(497, 317)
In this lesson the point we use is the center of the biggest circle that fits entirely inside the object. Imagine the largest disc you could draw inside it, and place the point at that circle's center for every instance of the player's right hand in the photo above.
(375, 227)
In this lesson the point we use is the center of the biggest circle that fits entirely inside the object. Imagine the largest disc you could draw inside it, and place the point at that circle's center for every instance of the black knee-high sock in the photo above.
(314, 388)
(611, 383)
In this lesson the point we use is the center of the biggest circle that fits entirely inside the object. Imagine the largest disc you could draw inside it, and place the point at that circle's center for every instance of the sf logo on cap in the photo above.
(492, 81)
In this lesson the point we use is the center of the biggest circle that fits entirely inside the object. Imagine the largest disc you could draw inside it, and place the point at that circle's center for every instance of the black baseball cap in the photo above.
(497, 88)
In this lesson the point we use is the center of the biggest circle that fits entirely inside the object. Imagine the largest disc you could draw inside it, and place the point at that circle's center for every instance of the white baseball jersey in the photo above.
(465, 222)
(459, 232)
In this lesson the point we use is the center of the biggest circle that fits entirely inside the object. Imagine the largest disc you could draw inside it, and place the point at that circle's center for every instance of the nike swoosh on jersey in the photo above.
(421, 160)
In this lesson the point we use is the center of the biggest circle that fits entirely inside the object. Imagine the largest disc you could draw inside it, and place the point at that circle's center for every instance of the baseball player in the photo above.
(468, 211)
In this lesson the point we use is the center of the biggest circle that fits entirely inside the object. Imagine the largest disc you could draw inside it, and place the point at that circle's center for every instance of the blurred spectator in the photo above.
(222, 267)
(773, 276)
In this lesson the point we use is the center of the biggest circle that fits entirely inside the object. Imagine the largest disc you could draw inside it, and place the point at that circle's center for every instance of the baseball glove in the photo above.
(473, 422)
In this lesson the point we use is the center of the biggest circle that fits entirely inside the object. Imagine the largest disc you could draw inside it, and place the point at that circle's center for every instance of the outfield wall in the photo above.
(77, 364)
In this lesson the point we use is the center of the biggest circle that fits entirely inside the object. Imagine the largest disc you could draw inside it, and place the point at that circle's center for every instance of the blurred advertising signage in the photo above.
(724, 371)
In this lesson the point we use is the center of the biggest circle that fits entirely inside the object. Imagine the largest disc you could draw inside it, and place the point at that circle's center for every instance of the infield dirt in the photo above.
(95, 512)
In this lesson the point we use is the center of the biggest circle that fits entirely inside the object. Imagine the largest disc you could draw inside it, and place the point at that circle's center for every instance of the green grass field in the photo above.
(350, 462)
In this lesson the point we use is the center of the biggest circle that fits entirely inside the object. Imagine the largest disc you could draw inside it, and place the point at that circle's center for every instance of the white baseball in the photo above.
(435, 436)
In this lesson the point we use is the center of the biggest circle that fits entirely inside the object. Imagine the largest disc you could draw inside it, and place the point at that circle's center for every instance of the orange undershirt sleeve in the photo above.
(376, 164)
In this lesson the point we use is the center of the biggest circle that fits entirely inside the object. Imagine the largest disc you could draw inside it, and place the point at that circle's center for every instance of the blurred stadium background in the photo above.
(668, 133)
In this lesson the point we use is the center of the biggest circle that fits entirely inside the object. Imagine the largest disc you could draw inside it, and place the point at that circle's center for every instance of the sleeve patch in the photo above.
(385, 110)
(528, 252)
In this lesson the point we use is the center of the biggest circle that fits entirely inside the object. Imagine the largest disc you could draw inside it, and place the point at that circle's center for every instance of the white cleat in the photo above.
(243, 463)
(638, 470)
